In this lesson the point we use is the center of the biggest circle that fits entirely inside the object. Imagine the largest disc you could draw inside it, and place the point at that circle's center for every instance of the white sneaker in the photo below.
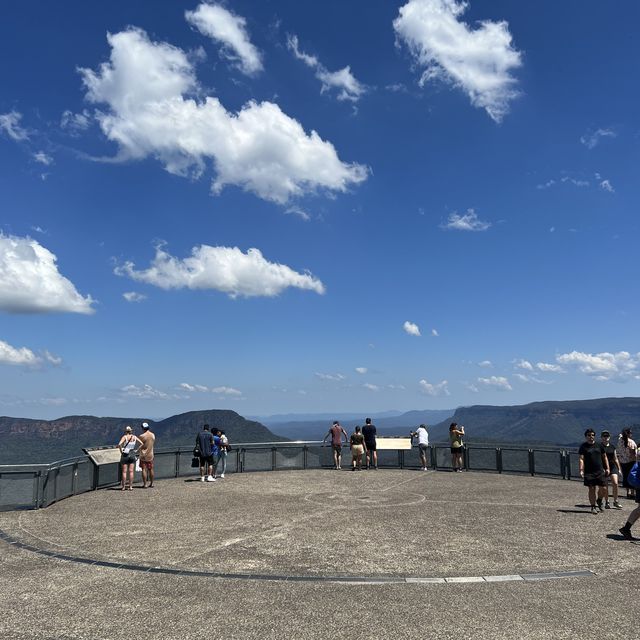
(425, 469)
(222, 475)
(210, 479)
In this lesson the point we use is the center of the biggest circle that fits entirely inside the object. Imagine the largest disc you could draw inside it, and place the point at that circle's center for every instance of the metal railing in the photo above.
(36, 486)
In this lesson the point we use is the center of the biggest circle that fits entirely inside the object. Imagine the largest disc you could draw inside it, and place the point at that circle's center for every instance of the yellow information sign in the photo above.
(388, 442)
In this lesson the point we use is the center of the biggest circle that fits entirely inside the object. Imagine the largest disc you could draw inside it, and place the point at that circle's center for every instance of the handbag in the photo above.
(195, 462)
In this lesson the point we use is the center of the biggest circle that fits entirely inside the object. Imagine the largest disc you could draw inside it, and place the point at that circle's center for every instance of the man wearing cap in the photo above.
(148, 439)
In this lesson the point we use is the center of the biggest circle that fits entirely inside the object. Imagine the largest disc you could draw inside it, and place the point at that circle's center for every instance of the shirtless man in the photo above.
(148, 439)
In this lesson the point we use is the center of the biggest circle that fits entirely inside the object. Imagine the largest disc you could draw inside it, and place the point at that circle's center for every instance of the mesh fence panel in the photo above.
(290, 458)
(515, 460)
(258, 460)
(482, 459)
(548, 463)
(16, 490)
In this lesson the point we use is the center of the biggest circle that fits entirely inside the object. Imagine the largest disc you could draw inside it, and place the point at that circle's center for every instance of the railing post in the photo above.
(563, 464)
(273, 458)
(36, 489)
(465, 458)
(305, 453)
(498, 459)
(532, 463)
(74, 481)
(568, 466)
(242, 460)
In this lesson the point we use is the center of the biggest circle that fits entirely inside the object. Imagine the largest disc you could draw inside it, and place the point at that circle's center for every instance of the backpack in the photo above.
(634, 476)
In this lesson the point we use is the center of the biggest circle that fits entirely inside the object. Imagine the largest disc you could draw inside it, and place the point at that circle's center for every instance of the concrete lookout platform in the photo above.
(314, 554)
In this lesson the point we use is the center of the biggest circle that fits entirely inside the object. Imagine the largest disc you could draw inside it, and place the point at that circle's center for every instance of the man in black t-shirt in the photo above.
(614, 470)
(594, 466)
(369, 432)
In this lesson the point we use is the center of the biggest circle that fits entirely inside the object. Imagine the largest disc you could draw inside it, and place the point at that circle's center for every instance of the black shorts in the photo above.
(594, 479)
(128, 458)
(457, 449)
(204, 460)
(371, 446)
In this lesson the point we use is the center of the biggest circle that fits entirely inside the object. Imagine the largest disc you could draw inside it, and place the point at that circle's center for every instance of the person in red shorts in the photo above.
(148, 439)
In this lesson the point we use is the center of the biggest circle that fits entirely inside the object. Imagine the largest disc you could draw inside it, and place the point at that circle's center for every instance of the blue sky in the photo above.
(283, 206)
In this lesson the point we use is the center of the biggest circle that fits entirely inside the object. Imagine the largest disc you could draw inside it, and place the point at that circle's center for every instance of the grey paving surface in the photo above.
(390, 523)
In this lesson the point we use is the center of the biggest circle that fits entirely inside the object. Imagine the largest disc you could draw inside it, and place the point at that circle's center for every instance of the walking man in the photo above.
(335, 433)
(369, 432)
(423, 444)
(594, 466)
(148, 439)
(614, 470)
(204, 444)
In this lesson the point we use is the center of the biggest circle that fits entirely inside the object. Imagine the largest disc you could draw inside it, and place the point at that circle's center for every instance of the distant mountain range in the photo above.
(551, 422)
(40, 441)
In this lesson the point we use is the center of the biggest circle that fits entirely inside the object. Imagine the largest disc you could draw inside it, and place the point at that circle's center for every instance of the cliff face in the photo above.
(23, 440)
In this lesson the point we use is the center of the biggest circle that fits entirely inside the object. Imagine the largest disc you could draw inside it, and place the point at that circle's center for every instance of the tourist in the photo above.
(335, 433)
(215, 450)
(127, 446)
(204, 449)
(614, 470)
(626, 451)
(224, 449)
(369, 432)
(456, 433)
(632, 518)
(357, 449)
(594, 466)
(148, 439)
(423, 444)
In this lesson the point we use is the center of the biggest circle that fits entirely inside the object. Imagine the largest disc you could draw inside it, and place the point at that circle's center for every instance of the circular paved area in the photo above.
(326, 524)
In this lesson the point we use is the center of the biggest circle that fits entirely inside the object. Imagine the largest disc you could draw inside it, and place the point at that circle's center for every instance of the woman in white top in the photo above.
(127, 446)
(626, 452)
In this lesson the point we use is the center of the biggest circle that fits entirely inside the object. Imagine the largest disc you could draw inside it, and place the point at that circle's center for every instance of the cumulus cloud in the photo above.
(485, 364)
(411, 328)
(480, 61)
(434, 333)
(152, 110)
(336, 377)
(524, 364)
(225, 269)
(466, 222)
(497, 382)
(134, 296)
(144, 392)
(10, 126)
(604, 366)
(342, 81)
(591, 139)
(230, 32)
(226, 391)
(576, 182)
(439, 389)
(185, 386)
(18, 356)
(361, 370)
(607, 186)
(548, 367)
(31, 283)
(371, 387)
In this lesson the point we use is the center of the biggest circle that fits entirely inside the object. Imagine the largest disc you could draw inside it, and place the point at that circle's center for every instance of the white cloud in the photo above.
(336, 377)
(472, 387)
(439, 389)
(226, 391)
(43, 158)
(230, 31)
(498, 382)
(485, 364)
(593, 138)
(133, 296)
(396, 387)
(477, 61)
(526, 378)
(31, 283)
(607, 186)
(411, 328)
(547, 367)
(18, 356)
(150, 91)
(342, 80)
(145, 392)
(371, 387)
(185, 386)
(75, 123)
(524, 364)
(298, 211)
(564, 180)
(361, 370)
(225, 269)
(604, 366)
(466, 222)
(51, 359)
(10, 125)
(434, 333)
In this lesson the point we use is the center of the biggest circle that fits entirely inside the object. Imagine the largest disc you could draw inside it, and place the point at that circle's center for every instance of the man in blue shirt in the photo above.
(204, 445)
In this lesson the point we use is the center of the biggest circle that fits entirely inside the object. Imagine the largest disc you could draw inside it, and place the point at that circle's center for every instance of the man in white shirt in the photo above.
(423, 444)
